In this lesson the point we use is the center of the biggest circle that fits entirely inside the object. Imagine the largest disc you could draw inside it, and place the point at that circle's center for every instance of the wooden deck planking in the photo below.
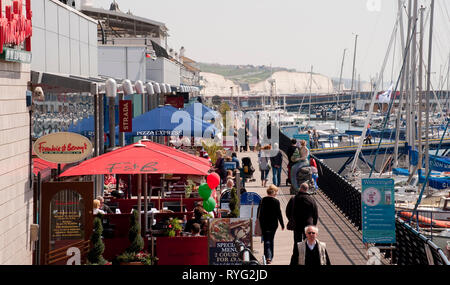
(344, 241)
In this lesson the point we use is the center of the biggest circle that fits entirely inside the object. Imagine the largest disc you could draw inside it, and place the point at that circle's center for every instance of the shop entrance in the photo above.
(66, 223)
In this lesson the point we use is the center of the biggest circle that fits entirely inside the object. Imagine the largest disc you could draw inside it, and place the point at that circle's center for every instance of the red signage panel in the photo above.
(15, 27)
(175, 101)
(125, 116)
(182, 250)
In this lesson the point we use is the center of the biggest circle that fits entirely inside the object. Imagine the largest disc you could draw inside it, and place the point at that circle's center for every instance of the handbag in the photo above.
(291, 221)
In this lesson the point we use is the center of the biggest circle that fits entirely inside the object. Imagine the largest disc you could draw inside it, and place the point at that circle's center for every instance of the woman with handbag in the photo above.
(269, 214)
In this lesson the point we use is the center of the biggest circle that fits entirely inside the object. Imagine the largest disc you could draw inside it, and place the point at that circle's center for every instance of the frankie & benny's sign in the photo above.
(63, 147)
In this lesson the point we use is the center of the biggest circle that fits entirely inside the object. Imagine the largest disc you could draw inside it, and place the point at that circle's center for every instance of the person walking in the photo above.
(316, 138)
(235, 159)
(302, 211)
(312, 251)
(300, 159)
(219, 167)
(264, 167)
(269, 215)
(289, 154)
(276, 162)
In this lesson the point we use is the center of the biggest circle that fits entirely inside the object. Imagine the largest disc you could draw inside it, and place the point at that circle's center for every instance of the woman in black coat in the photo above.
(269, 214)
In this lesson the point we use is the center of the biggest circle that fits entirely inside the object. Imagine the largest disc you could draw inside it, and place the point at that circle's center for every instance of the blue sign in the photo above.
(248, 198)
(229, 165)
(302, 137)
(378, 210)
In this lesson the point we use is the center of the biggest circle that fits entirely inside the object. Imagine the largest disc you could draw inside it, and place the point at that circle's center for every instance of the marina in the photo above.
(224, 141)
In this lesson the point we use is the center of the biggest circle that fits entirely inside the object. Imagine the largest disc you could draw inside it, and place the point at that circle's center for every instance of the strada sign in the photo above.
(63, 147)
(15, 27)
(125, 116)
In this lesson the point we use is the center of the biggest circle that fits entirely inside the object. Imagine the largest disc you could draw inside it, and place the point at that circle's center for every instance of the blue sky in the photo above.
(291, 33)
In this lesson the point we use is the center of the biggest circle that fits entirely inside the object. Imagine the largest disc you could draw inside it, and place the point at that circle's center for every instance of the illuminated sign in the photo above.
(63, 147)
(15, 27)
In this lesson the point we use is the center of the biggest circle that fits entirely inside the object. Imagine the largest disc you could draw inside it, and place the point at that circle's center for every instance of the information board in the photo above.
(221, 236)
(305, 137)
(378, 210)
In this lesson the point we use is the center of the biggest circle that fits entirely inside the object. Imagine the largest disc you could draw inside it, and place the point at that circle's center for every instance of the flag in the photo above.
(386, 96)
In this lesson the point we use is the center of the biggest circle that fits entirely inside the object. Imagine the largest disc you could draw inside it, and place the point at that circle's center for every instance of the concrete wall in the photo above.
(16, 197)
(163, 70)
(122, 62)
(64, 40)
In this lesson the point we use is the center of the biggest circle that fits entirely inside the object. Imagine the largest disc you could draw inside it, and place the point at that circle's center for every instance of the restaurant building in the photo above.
(16, 195)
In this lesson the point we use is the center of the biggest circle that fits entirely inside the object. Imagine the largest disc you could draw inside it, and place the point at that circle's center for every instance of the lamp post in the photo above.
(111, 93)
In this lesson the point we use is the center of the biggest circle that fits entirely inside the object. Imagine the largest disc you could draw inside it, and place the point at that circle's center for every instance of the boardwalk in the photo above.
(344, 241)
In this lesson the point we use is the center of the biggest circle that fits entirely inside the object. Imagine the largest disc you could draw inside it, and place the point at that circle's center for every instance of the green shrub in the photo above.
(98, 247)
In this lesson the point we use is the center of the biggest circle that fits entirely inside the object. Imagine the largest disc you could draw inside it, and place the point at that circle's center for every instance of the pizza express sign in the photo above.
(63, 147)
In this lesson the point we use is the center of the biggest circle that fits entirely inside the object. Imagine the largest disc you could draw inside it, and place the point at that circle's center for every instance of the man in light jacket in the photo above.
(312, 251)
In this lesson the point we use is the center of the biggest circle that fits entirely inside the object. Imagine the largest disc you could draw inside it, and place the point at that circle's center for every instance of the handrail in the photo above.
(348, 199)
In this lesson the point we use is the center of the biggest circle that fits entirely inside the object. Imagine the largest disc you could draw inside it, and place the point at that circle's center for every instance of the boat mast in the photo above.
(427, 120)
(419, 127)
(412, 111)
(310, 94)
(407, 94)
(372, 103)
(339, 89)
(400, 104)
(353, 78)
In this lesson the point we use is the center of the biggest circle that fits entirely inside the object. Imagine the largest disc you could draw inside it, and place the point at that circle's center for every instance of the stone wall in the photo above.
(16, 196)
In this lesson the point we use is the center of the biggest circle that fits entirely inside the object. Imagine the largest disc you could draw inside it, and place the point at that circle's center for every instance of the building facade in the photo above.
(16, 193)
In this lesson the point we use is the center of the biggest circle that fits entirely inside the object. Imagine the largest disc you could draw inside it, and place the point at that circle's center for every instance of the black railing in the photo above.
(411, 248)
(343, 194)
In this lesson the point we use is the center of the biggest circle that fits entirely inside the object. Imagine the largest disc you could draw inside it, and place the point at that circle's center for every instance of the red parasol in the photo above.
(140, 158)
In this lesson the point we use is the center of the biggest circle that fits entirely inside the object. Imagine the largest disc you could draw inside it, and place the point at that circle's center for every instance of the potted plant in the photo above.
(234, 204)
(98, 247)
(189, 188)
(134, 254)
(174, 228)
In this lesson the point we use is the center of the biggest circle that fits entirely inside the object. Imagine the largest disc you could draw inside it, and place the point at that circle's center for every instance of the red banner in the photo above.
(182, 250)
(175, 101)
(125, 116)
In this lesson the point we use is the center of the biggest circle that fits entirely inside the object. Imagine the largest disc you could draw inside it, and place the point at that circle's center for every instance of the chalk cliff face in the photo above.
(285, 83)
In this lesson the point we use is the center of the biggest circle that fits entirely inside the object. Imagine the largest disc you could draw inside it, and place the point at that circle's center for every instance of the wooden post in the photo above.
(139, 206)
(145, 203)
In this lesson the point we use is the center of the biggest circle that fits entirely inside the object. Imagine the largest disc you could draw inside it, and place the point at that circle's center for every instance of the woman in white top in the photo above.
(97, 208)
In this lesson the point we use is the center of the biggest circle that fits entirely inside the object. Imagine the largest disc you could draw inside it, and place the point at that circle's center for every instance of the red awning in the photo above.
(139, 158)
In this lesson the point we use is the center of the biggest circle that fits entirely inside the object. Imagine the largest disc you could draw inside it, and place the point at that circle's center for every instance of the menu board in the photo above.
(378, 210)
(66, 216)
(67, 226)
(221, 240)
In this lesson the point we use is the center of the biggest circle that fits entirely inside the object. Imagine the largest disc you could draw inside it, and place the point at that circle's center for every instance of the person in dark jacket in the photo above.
(276, 162)
(269, 214)
(303, 209)
(289, 154)
(219, 167)
(199, 211)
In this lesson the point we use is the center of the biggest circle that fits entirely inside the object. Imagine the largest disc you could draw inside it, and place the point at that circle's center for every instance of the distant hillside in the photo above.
(242, 73)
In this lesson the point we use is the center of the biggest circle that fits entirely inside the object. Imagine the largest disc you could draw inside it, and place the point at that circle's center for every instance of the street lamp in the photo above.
(111, 93)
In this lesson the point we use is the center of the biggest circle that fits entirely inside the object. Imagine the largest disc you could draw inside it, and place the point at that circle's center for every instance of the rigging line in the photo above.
(393, 58)
(385, 60)
(394, 92)
(429, 170)
(432, 88)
